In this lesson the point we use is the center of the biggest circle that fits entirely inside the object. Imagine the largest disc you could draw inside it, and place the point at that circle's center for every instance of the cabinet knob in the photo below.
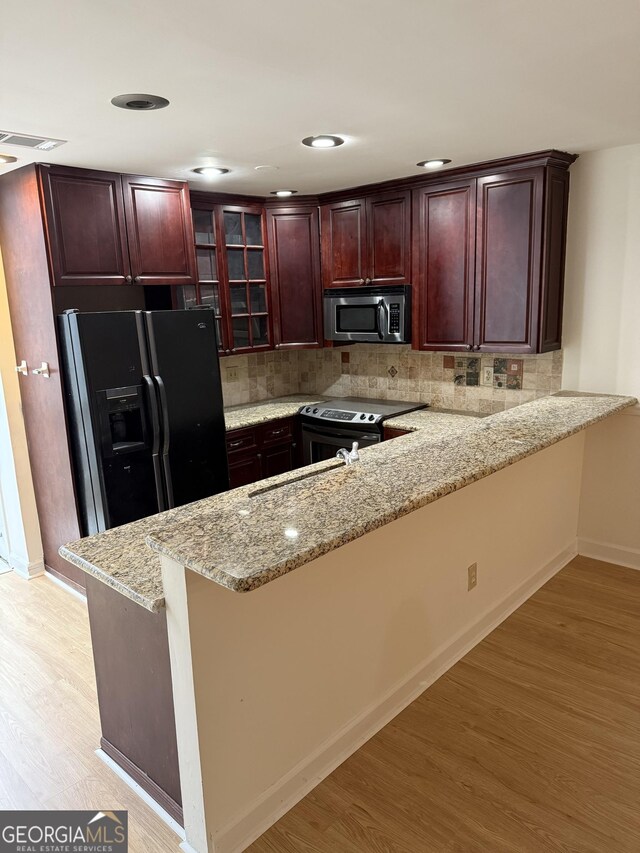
(277, 346)
(367, 281)
(43, 370)
(137, 279)
(128, 279)
(361, 281)
(469, 347)
(22, 368)
(477, 347)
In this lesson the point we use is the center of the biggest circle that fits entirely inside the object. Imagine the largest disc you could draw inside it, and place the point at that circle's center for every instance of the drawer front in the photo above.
(242, 440)
(278, 432)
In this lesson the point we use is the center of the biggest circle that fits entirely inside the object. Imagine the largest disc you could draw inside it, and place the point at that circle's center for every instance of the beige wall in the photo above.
(15, 472)
(609, 526)
(602, 303)
(293, 677)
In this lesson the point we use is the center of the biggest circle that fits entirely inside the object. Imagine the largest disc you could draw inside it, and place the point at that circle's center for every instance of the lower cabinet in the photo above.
(262, 451)
(389, 432)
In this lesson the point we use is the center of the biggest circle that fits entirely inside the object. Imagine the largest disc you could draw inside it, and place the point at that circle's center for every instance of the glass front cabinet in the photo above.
(232, 273)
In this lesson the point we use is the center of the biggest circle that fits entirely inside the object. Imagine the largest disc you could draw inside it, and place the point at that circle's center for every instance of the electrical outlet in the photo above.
(232, 374)
(487, 375)
(472, 576)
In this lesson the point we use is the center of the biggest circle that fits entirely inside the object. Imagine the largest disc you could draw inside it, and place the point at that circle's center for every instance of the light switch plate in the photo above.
(232, 374)
(487, 375)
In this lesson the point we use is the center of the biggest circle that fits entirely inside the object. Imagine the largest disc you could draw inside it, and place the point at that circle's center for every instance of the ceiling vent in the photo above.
(24, 140)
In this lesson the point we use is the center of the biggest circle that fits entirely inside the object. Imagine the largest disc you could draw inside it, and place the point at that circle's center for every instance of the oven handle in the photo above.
(381, 311)
(310, 431)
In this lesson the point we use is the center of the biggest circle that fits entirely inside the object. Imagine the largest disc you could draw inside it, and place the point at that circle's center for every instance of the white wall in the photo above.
(25, 546)
(602, 300)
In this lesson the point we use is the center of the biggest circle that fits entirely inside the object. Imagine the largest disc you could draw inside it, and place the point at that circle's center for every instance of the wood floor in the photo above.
(530, 744)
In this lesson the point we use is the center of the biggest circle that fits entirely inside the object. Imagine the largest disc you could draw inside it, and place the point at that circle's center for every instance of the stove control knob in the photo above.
(308, 409)
(372, 417)
(362, 417)
(315, 411)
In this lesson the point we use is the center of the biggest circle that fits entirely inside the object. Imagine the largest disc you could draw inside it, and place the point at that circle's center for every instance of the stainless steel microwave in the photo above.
(368, 314)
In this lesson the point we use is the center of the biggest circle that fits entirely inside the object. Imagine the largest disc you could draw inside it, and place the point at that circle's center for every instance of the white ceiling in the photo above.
(405, 80)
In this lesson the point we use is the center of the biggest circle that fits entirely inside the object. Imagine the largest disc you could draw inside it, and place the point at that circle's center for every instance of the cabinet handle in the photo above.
(43, 371)
(22, 368)
(361, 281)
(367, 281)
(279, 431)
(128, 279)
(477, 347)
(258, 455)
(236, 443)
(137, 279)
(277, 346)
(469, 347)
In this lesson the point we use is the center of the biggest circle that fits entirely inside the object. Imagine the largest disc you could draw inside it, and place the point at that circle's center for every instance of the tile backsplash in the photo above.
(489, 382)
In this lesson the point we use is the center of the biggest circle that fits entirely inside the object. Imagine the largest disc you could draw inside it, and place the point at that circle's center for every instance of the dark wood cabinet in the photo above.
(85, 226)
(367, 240)
(389, 433)
(389, 238)
(489, 261)
(104, 228)
(342, 232)
(294, 254)
(444, 247)
(508, 261)
(159, 231)
(262, 451)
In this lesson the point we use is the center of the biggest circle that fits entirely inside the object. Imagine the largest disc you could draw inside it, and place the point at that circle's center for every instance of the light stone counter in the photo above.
(238, 417)
(250, 536)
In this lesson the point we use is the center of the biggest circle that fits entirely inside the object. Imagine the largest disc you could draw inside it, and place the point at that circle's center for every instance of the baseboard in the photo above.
(153, 791)
(290, 789)
(629, 557)
(24, 568)
(66, 585)
(140, 792)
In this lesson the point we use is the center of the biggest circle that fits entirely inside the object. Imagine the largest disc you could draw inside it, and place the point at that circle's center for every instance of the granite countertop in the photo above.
(247, 537)
(239, 417)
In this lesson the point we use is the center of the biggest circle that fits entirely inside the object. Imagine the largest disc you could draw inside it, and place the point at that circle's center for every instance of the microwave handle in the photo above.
(382, 312)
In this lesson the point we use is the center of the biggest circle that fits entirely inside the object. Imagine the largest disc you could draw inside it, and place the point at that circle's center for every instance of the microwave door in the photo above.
(381, 316)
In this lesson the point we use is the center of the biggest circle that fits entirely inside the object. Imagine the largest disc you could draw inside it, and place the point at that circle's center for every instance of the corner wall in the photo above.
(601, 337)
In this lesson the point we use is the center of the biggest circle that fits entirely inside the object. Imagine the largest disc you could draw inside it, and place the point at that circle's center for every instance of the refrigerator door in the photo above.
(111, 417)
(183, 353)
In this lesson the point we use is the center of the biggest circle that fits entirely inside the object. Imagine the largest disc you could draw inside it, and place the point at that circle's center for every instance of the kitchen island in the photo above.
(273, 689)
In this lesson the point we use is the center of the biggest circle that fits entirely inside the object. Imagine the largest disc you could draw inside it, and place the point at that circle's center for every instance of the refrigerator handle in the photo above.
(166, 439)
(155, 448)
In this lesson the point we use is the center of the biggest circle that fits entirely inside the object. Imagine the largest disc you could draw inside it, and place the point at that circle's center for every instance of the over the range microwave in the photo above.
(368, 314)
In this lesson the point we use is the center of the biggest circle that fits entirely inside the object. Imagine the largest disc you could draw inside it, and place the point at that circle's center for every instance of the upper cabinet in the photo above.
(104, 228)
(489, 261)
(85, 226)
(367, 241)
(294, 254)
(159, 231)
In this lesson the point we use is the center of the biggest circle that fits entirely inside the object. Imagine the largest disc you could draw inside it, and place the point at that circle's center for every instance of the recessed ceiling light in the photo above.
(433, 164)
(323, 141)
(7, 158)
(140, 102)
(283, 193)
(210, 172)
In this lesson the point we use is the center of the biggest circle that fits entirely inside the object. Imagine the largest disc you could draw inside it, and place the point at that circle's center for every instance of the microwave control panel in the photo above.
(394, 317)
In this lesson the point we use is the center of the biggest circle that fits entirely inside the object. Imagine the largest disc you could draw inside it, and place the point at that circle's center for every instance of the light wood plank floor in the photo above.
(531, 743)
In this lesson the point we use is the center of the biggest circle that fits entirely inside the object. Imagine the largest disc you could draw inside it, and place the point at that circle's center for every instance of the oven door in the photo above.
(320, 443)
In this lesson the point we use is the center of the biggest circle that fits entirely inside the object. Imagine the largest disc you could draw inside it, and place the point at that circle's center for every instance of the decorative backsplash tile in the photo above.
(393, 372)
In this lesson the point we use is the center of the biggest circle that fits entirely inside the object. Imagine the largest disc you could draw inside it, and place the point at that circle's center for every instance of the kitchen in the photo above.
(489, 307)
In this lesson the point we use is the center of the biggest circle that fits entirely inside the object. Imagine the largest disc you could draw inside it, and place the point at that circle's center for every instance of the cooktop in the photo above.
(358, 410)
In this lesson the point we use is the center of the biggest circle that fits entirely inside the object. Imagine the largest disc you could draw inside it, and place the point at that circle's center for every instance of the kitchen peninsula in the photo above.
(274, 689)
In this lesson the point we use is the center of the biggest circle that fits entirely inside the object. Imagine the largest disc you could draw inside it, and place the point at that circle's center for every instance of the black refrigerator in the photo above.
(144, 405)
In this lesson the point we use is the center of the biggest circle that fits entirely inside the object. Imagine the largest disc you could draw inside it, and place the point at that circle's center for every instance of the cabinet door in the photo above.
(245, 470)
(554, 242)
(210, 289)
(246, 277)
(444, 244)
(159, 231)
(294, 254)
(508, 253)
(278, 460)
(389, 239)
(85, 226)
(343, 235)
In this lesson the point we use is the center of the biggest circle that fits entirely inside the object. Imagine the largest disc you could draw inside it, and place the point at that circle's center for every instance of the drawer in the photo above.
(239, 440)
(278, 432)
